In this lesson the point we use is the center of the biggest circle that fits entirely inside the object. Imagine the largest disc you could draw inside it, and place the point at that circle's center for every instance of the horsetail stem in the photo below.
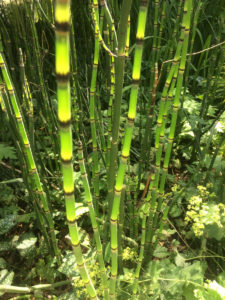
(128, 38)
(62, 27)
(184, 41)
(88, 198)
(119, 77)
(161, 121)
(29, 155)
(95, 173)
(127, 142)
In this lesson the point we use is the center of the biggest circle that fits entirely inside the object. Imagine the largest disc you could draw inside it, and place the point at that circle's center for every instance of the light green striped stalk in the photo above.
(199, 7)
(120, 230)
(119, 78)
(153, 86)
(129, 201)
(161, 27)
(75, 84)
(100, 128)
(176, 102)
(144, 163)
(127, 142)
(128, 39)
(109, 112)
(88, 199)
(154, 46)
(2, 104)
(50, 118)
(145, 211)
(162, 222)
(62, 24)
(152, 194)
(178, 20)
(110, 21)
(161, 121)
(150, 202)
(159, 144)
(95, 171)
(163, 108)
(97, 30)
(27, 99)
(155, 35)
(135, 216)
(29, 155)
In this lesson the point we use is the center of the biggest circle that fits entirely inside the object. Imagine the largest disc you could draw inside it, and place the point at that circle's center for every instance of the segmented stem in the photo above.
(62, 25)
(127, 142)
(29, 155)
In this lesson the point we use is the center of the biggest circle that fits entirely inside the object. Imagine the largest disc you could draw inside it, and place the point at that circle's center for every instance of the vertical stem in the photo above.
(119, 77)
(62, 23)
(30, 159)
(127, 142)
(95, 173)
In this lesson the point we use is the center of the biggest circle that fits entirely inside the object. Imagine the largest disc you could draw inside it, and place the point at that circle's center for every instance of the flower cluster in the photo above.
(203, 211)
(129, 254)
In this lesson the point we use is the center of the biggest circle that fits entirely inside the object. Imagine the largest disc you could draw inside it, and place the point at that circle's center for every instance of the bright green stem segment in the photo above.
(62, 22)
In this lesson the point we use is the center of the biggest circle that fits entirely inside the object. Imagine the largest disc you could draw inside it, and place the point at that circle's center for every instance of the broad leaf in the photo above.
(161, 252)
(7, 152)
(26, 244)
(69, 265)
(7, 223)
(6, 278)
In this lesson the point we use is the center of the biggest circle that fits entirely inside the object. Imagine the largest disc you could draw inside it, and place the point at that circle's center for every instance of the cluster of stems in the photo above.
(90, 90)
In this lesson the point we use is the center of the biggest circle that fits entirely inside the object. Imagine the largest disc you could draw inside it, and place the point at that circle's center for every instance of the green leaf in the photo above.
(215, 286)
(26, 244)
(221, 279)
(80, 210)
(107, 253)
(161, 252)
(209, 294)
(68, 296)
(6, 277)
(189, 292)
(3, 263)
(5, 246)
(69, 264)
(7, 223)
(7, 152)
(175, 211)
(180, 261)
(15, 180)
(25, 218)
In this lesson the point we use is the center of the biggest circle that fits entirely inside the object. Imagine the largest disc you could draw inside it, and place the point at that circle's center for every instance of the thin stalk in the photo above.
(88, 198)
(95, 172)
(110, 21)
(119, 78)
(128, 39)
(160, 129)
(30, 159)
(62, 23)
(127, 142)
(109, 113)
(176, 103)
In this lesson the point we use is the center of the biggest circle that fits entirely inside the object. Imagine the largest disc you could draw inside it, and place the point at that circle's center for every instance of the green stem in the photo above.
(127, 142)
(62, 23)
